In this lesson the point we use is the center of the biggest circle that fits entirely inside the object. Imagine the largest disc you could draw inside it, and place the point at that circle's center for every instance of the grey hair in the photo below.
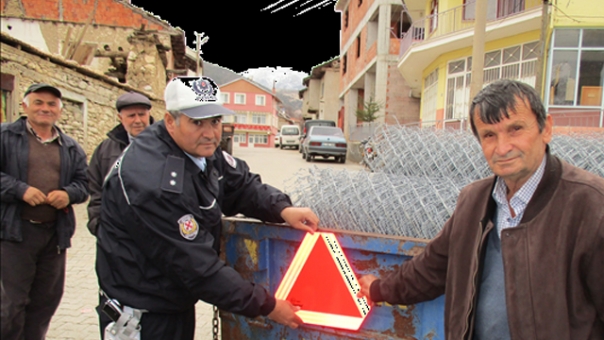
(176, 115)
(500, 97)
(26, 101)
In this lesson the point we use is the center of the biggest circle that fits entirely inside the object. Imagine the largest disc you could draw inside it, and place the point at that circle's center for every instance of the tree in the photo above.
(369, 110)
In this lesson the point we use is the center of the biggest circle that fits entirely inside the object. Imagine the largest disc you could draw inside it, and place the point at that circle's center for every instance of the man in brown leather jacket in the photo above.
(522, 256)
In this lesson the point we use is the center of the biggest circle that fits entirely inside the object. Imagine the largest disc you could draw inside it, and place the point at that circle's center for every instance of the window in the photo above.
(576, 75)
(430, 98)
(239, 98)
(344, 64)
(469, 9)
(515, 62)
(228, 119)
(322, 88)
(359, 46)
(258, 119)
(433, 15)
(260, 100)
(239, 138)
(225, 97)
(495, 8)
(346, 18)
(258, 139)
(7, 85)
(240, 118)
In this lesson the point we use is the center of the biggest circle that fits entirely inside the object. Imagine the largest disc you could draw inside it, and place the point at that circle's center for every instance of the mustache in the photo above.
(506, 157)
(207, 140)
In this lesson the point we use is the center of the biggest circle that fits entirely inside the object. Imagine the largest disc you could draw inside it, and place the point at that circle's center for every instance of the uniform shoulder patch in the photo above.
(188, 227)
(232, 162)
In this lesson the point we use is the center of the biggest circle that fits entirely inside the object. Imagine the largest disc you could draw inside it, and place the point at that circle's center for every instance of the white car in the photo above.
(277, 140)
(290, 136)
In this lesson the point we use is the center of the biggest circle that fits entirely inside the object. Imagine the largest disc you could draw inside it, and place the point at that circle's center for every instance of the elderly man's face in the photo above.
(44, 109)
(514, 147)
(199, 137)
(134, 118)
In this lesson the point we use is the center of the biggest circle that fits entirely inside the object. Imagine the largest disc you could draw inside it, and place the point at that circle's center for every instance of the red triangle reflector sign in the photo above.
(321, 282)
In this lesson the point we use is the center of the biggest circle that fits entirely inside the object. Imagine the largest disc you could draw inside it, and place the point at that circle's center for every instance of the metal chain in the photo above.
(215, 324)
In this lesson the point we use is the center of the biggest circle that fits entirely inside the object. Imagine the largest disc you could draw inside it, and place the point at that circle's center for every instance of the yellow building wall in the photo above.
(443, 59)
(577, 13)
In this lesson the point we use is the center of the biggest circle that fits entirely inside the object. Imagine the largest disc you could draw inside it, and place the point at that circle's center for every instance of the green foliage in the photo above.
(369, 110)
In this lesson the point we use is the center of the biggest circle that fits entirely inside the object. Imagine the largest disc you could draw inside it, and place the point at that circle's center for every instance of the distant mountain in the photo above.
(287, 79)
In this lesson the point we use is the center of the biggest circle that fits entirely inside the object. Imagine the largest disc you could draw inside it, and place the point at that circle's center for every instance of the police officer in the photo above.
(161, 210)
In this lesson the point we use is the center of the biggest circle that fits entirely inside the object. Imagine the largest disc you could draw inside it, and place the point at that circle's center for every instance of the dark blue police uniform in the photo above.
(159, 235)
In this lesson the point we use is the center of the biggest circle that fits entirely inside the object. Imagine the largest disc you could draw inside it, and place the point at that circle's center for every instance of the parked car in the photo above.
(290, 136)
(277, 139)
(324, 141)
(314, 122)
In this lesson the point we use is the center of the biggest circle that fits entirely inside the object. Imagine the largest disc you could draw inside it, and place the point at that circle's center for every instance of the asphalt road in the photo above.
(76, 318)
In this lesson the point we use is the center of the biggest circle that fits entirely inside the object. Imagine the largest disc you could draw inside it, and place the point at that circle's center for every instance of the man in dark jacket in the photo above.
(43, 175)
(161, 217)
(522, 255)
(133, 113)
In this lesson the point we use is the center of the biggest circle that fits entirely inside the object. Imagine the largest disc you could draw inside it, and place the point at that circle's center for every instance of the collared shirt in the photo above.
(200, 162)
(55, 134)
(130, 138)
(518, 202)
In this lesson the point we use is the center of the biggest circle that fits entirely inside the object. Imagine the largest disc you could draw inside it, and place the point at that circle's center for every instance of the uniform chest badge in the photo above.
(188, 227)
(232, 162)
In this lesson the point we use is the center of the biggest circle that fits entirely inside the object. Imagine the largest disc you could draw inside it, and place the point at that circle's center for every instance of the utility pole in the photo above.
(541, 56)
(480, 25)
(197, 48)
(199, 43)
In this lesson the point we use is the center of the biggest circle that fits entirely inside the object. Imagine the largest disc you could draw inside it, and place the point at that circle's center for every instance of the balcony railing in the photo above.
(455, 20)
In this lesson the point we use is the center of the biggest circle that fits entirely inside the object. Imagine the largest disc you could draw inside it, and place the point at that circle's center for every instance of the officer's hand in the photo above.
(58, 199)
(301, 218)
(285, 314)
(365, 282)
(33, 196)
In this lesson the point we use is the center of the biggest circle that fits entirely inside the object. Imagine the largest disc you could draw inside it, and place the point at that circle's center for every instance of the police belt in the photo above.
(127, 326)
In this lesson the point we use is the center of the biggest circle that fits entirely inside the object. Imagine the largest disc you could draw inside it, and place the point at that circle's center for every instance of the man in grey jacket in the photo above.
(43, 173)
(134, 116)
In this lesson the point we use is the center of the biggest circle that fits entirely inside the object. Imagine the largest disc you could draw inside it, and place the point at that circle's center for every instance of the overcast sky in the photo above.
(244, 34)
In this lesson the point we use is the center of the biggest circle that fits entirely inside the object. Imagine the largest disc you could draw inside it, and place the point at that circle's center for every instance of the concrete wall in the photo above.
(89, 102)
(399, 107)
(330, 104)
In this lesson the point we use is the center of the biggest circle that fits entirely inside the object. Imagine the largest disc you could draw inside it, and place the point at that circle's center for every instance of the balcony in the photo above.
(453, 29)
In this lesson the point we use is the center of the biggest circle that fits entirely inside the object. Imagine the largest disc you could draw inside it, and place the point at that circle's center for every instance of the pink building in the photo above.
(256, 108)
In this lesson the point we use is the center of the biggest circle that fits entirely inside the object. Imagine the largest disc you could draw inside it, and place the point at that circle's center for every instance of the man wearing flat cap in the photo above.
(43, 175)
(161, 216)
(133, 113)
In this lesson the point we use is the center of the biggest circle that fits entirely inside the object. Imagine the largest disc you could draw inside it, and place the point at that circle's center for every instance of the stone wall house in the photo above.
(88, 96)
(105, 35)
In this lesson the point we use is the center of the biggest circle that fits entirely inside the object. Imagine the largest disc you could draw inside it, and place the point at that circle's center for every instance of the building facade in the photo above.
(369, 52)
(436, 56)
(321, 95)
(257, 112)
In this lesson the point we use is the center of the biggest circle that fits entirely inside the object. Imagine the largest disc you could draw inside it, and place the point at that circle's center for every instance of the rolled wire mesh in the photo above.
(457, 154)
(376, 202)
(418, 176)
